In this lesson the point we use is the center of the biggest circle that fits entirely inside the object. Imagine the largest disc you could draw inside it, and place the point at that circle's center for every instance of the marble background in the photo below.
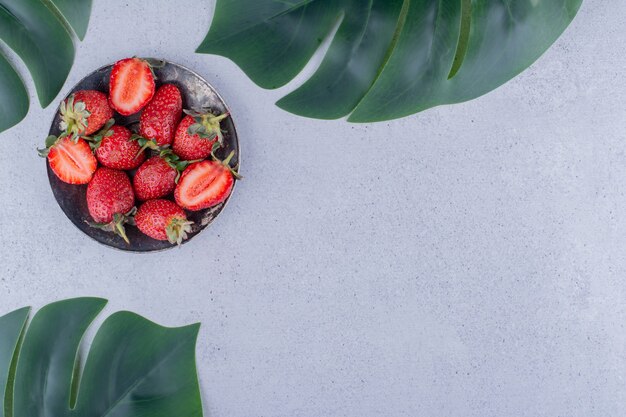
(466, 261)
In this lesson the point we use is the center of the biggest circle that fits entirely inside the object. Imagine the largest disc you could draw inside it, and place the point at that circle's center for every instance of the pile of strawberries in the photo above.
(171, 156)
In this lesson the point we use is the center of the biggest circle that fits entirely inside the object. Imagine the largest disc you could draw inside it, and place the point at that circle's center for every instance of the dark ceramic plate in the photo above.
(197, 94)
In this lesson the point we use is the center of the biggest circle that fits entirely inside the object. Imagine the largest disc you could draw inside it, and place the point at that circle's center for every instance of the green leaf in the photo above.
(38, 32)
(387, 58)
(76, 12)
(134, 367)
(13, 96)
(51, 140)
(11, 330)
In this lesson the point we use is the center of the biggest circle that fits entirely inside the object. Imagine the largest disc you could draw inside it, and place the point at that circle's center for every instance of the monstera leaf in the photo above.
(387, 58)
(40, 33)
(134, 367)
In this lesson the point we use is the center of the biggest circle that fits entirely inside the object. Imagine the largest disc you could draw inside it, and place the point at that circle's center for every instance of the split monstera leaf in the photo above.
(133, 368)
(40, 33)
(387, 58)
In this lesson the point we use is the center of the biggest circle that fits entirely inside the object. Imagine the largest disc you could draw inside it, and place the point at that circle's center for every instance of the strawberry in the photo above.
(84, 113)
(116, 148)
(157, 177)
(131, 85)
(110, 200)
(197, 134)
(163, 220)
(160, 117)
(205, 184)
(70, 159)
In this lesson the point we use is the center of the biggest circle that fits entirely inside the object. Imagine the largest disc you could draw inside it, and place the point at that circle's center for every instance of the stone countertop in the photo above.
(465, 261)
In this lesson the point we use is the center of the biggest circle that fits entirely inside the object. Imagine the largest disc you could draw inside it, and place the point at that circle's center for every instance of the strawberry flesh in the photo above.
(203, 185)
(131, 85)
(73, 162)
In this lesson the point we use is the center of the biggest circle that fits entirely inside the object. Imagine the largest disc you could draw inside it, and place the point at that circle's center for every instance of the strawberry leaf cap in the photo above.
(152, 64)
(53, 140)
(49, 143)
(177, 230)
(146, 144)
(207, 125)
(74, 117)
(117, 225)
(174, 161)
(96, 140)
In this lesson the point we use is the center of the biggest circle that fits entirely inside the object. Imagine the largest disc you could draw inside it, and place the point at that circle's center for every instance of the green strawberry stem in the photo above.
(146, 143)
(117, 225)
(226, 163)
(217, 119)
(217, 145)
(121, 231)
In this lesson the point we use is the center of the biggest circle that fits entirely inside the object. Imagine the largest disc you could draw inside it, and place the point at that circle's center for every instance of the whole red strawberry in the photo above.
(161, 116)
(197, 134)
(84, 112)
(110, 200)
(115, 148)
(71, 160)
(157, 177)
(163, 220)
(131, 85)
(205, 184)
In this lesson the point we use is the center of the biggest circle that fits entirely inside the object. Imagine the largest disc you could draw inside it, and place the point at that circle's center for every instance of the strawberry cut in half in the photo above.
(163, 220)
(205, 184)
(161, 116)
(117, 148)
(110, 200)
(71, 160)
(131, 85)
(84, 113)
(198, 134)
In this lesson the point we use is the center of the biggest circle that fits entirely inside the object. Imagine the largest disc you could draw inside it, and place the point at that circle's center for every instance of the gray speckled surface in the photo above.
(467, 261)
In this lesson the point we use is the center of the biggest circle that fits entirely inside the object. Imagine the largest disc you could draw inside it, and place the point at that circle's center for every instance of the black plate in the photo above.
(197, 93)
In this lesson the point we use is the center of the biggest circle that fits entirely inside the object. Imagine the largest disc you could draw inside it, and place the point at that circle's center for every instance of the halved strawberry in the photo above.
(205, 184)
(197, 134)
(161, 116)
(131, 85)
(163, 220)
(70, 159)
(115, 147)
